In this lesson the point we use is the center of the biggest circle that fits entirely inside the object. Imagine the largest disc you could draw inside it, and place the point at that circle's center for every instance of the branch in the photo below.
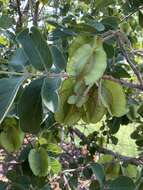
(127, 159)
(19, 21)
(123, 82)
(35, 16)
(46, 74)
(127, 56)
(65, 75)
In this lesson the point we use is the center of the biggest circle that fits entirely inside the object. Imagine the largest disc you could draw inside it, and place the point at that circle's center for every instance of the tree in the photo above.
(66, 66)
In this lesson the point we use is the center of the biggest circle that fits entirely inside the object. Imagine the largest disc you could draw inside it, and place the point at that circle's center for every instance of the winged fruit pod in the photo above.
(38, 161)
(77, 43)
(98, 63)
(88, 62)
(78, 97)
(94, 110)
(113, 98)
(79, 59)
(67, 114)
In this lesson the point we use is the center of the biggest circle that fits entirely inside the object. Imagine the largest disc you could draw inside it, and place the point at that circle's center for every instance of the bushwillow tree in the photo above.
(66, 66)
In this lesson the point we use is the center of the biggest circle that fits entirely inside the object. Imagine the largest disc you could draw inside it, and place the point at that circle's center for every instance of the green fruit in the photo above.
(11, 139)
(93, 108)
(67, 113)
(88, 62)
(38, 161)
(78, 60)
(77, 43)
(97, 64)
(78, 98)
(113, 98)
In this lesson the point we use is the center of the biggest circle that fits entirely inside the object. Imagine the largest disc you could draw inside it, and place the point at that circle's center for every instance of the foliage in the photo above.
(66, 66)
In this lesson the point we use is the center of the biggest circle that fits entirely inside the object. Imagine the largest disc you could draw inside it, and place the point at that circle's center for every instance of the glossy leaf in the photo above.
(99, 172)
(19, 60)
(35, 48)
(58, 58)
(8, 91)
(30, 107)
(38, 161)
(49, 93)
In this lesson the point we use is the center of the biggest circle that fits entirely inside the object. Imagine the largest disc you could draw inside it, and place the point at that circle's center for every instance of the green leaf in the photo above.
(122, 183)
(98, 170)
(97, 25)
(120, 72)
(19, 60)
(6, 21)
(112, 170)
(111, 22)
(55, 165)
(54, 148)
(30, 107)
(8, 91)
(49, 93)
(11, 138)
(114, 125)
(131, 171)
(24, 153)
(58, 58)
(36, 48)
(38, 161)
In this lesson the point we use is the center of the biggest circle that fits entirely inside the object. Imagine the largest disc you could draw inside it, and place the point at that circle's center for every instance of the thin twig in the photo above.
(49, 75)
(66, 184)
(129, 15)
